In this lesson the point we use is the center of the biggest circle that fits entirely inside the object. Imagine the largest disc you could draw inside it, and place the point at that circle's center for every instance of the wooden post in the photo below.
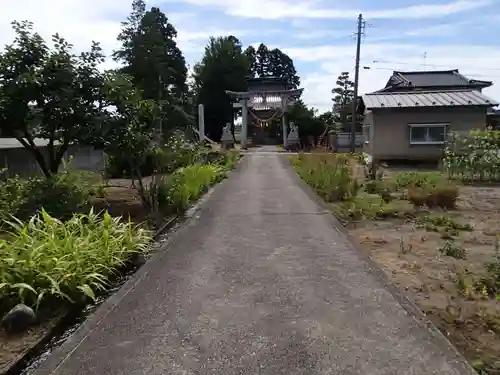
(201, 122)
(283, 120)
(244, 124)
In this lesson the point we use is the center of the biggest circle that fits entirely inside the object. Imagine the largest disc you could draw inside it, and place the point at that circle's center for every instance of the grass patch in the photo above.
(333, 178)
(45, 260)
(330, 175)
(421, 180)
(372, 206)
(179, 190)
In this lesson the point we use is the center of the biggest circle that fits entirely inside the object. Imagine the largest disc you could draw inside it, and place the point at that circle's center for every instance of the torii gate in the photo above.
(267, 95)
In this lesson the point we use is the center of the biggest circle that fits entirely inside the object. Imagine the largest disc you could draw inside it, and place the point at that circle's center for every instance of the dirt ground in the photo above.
(409, 256)
(121, 199)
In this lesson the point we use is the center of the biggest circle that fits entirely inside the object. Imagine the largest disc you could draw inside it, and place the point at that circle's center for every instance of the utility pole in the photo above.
(361, 26)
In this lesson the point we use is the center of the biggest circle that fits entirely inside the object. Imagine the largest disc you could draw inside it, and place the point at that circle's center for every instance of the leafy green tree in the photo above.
(129, 130)
(48, 92)
(223, 67)
(343, 95)
(309, 124)
(157, 66)
(272, 63)
(329, 121)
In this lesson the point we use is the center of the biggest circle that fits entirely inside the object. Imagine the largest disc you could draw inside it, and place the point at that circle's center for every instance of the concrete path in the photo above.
(262, 284)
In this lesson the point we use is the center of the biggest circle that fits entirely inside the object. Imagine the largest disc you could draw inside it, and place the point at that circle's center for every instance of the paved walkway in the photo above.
(262, 284)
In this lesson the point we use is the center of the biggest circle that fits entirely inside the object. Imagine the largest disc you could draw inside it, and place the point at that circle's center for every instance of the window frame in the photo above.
(426, 126)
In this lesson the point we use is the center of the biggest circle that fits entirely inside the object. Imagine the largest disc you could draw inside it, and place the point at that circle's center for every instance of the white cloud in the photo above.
(276, 9)
(480, 62)
(80, 22)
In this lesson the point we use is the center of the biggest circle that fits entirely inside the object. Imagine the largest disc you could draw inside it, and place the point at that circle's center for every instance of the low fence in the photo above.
(342, 141)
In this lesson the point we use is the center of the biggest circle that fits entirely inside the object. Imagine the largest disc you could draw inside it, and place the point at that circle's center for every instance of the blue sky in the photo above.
(317, 34)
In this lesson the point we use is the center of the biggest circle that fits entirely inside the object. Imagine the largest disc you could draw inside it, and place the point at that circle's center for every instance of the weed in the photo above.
(371, 206)
(419, 179)
(453, 249)
(443, 224)
(373, 171)
(403, 248)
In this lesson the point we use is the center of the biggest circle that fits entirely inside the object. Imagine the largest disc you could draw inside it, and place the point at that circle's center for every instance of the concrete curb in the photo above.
(401, 297)
(62, 353)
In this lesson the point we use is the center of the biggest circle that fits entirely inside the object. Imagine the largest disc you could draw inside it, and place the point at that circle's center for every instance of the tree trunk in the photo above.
(57, 157)
(31, 147)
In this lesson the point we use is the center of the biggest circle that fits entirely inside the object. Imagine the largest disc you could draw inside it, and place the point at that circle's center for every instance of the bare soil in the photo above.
(409, 256)
(13, 348)
(121, 199)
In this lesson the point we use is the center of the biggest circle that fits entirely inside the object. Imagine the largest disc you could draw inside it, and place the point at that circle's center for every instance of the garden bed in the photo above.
(438, 256)
(178, 191)
(410, 257)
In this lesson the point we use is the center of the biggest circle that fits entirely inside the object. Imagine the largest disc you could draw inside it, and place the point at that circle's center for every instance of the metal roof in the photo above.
(6, 143)
(427, 99)
(433, 78)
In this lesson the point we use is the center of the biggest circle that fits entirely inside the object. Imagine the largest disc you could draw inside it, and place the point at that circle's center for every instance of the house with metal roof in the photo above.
(410, 117)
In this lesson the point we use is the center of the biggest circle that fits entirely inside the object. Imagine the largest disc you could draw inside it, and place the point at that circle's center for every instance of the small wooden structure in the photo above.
(265, 100)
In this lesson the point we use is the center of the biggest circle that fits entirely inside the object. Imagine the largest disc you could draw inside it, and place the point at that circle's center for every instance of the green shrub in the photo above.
(178, 190)
(45, 259)
(61, 195)
(11, 197)
(443, 196)
(473, 156)
(177, 152)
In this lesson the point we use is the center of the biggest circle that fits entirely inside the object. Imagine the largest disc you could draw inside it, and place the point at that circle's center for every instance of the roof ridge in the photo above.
(426, 71)
(420, 92)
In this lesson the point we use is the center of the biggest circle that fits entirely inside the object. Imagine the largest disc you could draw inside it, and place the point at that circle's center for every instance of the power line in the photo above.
(432, 65)
(393, 69)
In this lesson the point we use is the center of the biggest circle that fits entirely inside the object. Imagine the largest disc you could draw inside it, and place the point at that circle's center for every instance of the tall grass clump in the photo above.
(473, 157)
(178, 190)
(44, 260)
(330, 175)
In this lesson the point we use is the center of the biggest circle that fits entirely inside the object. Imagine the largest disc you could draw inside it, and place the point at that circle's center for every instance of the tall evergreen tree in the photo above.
(263, 62)
(251, 55)
(272, 63)
(343, 95)
(223, 67)
(152, 58)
